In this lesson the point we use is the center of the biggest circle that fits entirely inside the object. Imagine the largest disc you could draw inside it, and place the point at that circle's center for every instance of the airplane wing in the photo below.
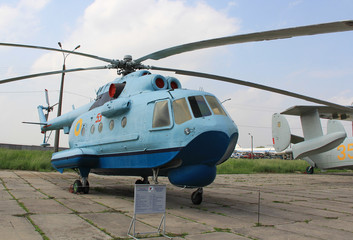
(324, 112)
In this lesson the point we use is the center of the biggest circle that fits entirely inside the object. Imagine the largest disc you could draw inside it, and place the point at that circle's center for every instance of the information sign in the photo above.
(149, 198)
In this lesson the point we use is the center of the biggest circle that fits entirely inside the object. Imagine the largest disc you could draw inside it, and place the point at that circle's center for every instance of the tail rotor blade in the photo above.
(47, 97)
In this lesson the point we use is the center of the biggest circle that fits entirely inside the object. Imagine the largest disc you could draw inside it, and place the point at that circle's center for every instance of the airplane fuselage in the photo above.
(339, 157)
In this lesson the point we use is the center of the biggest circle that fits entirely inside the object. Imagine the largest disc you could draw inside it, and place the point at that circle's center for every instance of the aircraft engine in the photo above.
(173, 83)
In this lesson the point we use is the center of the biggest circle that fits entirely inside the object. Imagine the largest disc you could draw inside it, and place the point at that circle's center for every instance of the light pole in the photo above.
(252, 148)
(57, 132)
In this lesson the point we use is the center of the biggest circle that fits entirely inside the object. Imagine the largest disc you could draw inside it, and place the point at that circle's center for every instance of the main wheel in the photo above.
(310, 170)
(77, 186)
(196, 197)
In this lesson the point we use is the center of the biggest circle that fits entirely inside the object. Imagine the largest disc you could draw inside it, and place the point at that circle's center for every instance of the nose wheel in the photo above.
(196, 197)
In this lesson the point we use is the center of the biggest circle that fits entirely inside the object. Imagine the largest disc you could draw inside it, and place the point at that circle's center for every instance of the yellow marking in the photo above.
(78, 127)
(350, 148)
(344, 151)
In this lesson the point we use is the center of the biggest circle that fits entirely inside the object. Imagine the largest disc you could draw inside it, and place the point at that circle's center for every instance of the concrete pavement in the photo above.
(35, 205)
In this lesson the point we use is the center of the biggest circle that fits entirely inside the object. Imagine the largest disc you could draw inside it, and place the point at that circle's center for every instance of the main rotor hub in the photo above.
(128, 58)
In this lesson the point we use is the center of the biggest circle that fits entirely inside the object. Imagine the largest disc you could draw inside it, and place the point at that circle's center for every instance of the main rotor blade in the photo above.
(252, 37)
(58, 50)
(51, 73)
(254, 85)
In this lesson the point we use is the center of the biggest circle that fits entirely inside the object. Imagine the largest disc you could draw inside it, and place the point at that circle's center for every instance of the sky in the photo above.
(318, 66)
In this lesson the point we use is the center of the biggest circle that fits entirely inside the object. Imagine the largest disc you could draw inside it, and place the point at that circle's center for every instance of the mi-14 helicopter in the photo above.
(146, 124)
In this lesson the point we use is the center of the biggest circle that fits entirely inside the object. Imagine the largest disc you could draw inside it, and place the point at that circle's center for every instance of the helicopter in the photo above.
(145, 124)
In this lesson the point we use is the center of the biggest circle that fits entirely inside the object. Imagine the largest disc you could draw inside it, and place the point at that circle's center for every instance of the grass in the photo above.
(35, 160)
(25, 160)
(248, 166)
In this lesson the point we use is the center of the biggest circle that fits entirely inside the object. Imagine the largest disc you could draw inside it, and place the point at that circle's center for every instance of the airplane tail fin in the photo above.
(281, 135)
(314, 142)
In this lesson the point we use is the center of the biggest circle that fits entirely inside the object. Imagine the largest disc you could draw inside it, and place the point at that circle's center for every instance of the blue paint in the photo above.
(133, 160)
(117, 135)
(146, 159)
(207, 148)
(192, 176)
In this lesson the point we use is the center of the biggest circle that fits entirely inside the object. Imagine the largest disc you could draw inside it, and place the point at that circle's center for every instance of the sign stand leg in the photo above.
(149, 199)
(132, 225)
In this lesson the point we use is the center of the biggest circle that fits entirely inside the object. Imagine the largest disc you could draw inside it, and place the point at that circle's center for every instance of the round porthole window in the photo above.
(123, 122)
(92, 129)
(111, 124)
(100, 127)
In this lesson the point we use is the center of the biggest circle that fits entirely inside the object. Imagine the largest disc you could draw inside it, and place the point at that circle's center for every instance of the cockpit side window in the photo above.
(161, 116)
(181, 111)
(199, 106)
(215, 106)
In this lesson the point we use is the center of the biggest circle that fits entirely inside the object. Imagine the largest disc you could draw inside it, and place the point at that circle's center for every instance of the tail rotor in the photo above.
(48, 110)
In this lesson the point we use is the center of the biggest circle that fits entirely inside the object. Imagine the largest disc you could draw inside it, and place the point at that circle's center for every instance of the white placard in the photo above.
(149, 198)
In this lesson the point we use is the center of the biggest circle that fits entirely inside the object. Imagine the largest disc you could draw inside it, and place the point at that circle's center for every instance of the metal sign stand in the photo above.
(149, 199)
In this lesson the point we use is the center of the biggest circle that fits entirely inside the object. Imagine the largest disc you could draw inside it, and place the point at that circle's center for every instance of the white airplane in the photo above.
(258, 150)
(331, 151)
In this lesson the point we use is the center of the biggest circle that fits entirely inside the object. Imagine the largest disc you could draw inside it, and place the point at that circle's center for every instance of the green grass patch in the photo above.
(248, 166)
(32, 160)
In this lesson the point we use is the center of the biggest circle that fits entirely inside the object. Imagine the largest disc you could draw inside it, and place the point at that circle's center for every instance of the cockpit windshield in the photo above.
(199, 107)
(215, 106)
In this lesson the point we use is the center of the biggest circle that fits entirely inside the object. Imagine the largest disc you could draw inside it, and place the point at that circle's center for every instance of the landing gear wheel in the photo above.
(309, 170)
(77, 186)
(196, 197)
(142, 181)
(139, 181)
(85, 189)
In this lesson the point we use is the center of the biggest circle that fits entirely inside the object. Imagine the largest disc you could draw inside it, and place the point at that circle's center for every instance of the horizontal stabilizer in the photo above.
(35, 123)
(324, 112)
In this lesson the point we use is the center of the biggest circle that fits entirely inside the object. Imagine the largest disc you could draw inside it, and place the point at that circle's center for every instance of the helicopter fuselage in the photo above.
(145, 121)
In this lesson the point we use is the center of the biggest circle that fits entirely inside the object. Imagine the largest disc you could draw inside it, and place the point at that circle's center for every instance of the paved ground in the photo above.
(37, 205)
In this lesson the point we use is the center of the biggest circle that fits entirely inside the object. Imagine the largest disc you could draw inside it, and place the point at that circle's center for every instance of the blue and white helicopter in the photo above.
(147, 125)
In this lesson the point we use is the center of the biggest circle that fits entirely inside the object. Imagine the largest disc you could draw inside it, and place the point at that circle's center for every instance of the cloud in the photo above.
(111, 29)
(20, 21)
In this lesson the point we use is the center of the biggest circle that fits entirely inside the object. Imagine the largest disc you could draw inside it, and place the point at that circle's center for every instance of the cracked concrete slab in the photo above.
(292, 206)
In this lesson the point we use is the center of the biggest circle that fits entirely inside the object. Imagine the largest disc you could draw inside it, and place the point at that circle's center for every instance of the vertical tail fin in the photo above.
(281, 135)
(42, 117)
